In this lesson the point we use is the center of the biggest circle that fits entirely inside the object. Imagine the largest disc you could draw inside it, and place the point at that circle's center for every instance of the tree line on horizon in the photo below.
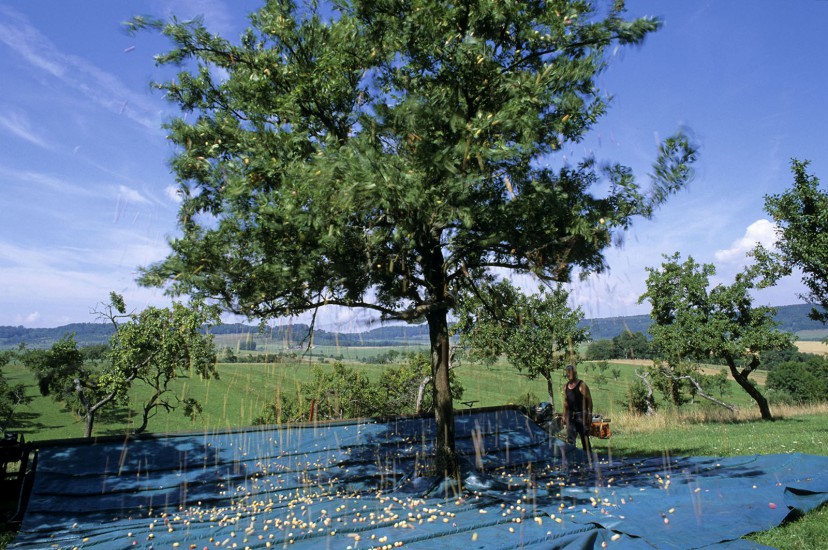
(790, 318)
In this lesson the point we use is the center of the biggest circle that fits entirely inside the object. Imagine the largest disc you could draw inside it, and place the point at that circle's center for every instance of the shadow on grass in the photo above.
(28, 423)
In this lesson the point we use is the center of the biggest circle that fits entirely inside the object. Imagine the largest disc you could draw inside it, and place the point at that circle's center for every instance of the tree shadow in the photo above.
(115, 420)
(27, 423)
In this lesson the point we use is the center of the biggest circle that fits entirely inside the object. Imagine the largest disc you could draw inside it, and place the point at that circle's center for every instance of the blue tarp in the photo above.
(355, 485)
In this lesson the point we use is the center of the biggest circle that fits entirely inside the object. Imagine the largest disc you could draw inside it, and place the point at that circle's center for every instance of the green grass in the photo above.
(698, 429)
(244, 389)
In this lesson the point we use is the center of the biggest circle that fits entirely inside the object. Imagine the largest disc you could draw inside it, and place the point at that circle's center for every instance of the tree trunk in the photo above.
(445, 459)
(550, 388)
(89, 417)
(742, 380)
(649, 400)
(704, 395)
(89, 411)
(146, 414)
(420, 391)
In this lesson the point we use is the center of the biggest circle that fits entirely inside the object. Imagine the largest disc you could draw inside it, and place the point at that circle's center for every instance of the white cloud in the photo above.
(173, 193)
(54, 286)
(19, 125)
(131, 195)
(31, 318)
(761, 231)
(101, 87)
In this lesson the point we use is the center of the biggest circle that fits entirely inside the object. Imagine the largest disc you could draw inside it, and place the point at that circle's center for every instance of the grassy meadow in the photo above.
(244, 389)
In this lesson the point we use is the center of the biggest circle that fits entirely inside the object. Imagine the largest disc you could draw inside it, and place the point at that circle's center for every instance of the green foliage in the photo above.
(95, 352)
(57, 370)
(771, 358)
(631, 345)
(600, 350)
(386, 156)
(636, 398)
(158, 345)
(715, 383)
(801, 215)
(666, 378)
(538, 334)
(11, 395)
(285, 408)
(154, 346)
(344, 392)
(800, 382)
(341, 392)
(247, 345)
(692, 321)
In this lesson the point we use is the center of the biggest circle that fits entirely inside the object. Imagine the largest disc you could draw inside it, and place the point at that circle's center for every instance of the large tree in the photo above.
(801, 217)
(693, 321)
(384, 154)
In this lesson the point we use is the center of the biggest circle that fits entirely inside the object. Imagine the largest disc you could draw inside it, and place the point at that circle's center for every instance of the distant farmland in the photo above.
(819, 348)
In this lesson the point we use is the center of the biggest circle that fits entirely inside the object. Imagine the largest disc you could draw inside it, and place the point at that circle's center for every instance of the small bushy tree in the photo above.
(599, 350)
(538, 334)
(631, 345)
(341, 392)
(800, 382)
(154, 346)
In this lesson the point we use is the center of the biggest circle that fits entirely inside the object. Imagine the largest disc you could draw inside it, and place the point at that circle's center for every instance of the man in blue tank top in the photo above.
(577, 408)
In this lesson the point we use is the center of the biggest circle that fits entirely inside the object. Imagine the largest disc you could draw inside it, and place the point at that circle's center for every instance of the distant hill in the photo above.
(793, 318)
(609, 327)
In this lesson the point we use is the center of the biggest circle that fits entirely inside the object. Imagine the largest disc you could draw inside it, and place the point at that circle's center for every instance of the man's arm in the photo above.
(587, 401)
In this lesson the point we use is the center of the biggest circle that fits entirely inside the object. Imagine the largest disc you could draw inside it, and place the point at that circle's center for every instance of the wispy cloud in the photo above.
(103, 88)
(128, 194)
(122, 194)
(19, 126)
(54, 285)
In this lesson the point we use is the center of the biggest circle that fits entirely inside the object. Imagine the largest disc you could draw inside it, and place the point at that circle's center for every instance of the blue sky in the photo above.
(86, 195)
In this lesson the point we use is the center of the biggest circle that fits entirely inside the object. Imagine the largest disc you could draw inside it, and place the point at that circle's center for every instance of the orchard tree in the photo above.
(82, 387)
(692, 321)
(386, 154)
(159, 345)
(154, 346)
(11, 395)
(538, 334)
(801, 217)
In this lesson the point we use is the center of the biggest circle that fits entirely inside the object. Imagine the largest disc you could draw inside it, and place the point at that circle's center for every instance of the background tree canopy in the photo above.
(801, 215)
(386, 154)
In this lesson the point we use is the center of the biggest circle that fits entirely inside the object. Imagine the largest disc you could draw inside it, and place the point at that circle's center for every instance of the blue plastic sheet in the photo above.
(355, 485)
